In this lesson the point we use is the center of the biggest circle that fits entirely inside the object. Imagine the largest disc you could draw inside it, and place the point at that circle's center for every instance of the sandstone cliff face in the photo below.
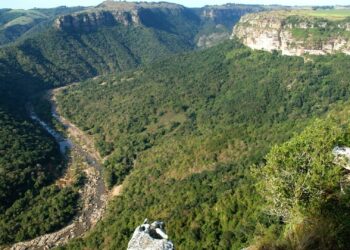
(227, 14)
(110, 13)
(89, 21)
(210, 40)
(293, 35)
(221, 18)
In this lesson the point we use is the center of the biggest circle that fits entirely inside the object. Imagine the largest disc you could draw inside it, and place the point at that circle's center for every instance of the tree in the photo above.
(300, 176)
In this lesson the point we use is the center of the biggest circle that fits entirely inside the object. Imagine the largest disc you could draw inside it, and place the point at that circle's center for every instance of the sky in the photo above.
(27, 4)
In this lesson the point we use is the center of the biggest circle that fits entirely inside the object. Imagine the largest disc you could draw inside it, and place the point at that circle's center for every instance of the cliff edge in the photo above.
(111, 13)
(150, 237)
(295, 32)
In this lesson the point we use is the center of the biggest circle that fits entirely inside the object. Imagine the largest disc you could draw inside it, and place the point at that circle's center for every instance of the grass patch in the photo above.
(335, 14)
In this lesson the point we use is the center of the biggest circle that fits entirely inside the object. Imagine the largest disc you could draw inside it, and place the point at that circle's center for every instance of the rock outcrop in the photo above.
(91, 20)
(227, 14)
(222, 18)
(150, 237)
(214, 23)
(210, 40)
(293, 34)
(342, 158)
(110, 13)
(342, 153)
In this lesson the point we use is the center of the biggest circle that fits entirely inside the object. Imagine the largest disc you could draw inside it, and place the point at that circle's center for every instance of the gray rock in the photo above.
(150, 237)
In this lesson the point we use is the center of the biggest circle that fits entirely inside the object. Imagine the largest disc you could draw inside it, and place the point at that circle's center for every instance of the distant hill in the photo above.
(17, 23)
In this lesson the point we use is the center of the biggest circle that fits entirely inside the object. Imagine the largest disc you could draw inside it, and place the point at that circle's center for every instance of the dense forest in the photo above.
(203, 140)
(29, 158)
(187, 135)
(30, 162)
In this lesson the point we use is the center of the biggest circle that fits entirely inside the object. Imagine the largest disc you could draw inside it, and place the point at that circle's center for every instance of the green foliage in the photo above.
(67, 57)
(29, 159)
(300, 176)
(29, 162)
(38, 214)
(32, 66)
(301, 184)
(181, 133)
(319, 29)
(186, 130)
(49, 57)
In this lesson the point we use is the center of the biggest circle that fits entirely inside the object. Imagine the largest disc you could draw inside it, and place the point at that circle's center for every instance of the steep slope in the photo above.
(296, 32)
(49, 58)
(76, 49)
(111, 38)
(30, 162)
(217, 22)
(186, 131)
(171, 18)
(202, 27)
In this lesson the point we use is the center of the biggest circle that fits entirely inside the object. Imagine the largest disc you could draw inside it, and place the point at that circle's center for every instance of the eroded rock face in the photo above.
(342, 158)
(342, 153)
(293, 35)
(109, 13)
(150, 237)
(207, 41)
(227, 14)
(89, 21)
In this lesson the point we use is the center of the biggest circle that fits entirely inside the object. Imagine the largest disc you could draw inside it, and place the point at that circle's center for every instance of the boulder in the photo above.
(150, 237)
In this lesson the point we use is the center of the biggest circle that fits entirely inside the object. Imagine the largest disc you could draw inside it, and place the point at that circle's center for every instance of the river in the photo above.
(94, 194)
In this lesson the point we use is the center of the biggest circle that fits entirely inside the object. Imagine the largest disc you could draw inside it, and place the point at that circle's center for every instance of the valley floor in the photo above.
(94, 194)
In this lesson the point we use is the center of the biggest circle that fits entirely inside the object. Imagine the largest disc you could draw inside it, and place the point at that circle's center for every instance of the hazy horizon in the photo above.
(19, 4)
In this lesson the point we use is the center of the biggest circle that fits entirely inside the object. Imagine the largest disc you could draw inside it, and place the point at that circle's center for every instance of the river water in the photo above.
(65, 143)
(94, 195)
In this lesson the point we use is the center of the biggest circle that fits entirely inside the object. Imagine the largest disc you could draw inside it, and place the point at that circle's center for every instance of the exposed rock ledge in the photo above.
(150, 237)
(293, 34)
(111, 13)
(89, 21)
(342, 158)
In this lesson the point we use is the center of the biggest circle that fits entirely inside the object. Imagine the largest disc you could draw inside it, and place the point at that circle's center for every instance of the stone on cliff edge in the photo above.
(150, 237)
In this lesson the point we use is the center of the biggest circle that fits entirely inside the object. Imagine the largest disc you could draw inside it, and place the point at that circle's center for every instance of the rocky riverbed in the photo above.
(94, 194)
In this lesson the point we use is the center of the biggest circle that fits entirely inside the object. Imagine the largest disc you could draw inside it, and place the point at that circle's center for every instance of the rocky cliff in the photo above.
(227, 14)
(294, 34)
(110, 13)
(89, 21)
(205, 26)
(218, 20)
(150, 237)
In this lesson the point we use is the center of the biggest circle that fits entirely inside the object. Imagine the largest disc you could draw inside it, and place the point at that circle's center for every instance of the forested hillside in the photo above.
(33, 66)
(29, 163)
(195, 138)
(187, 133)
(43, 56)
